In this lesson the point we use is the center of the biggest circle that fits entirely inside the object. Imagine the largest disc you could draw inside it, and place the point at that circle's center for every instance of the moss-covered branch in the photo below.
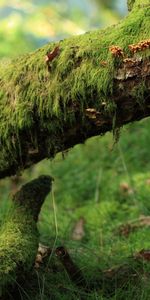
(87, 85)
(19, 236)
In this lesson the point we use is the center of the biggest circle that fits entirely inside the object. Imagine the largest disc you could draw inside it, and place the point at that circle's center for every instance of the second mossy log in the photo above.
(19, 236)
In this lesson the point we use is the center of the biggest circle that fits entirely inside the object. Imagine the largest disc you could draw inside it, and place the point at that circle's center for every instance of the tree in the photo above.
(66, 92)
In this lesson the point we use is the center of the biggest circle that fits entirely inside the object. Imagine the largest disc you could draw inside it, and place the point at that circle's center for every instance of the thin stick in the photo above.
(73, 271)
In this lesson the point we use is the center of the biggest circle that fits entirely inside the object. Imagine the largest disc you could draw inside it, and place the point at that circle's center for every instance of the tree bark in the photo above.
(19, 236)
(66, 92)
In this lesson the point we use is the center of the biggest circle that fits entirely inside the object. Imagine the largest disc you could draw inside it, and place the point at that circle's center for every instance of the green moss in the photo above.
(130, 4)
(32, 96)
(18, 245)
(19, 235)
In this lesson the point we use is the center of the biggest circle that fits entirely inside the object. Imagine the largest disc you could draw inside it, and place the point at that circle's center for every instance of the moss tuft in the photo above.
(130, 4)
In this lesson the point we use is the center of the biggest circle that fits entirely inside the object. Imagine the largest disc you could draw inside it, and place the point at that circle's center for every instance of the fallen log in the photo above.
(66, 92)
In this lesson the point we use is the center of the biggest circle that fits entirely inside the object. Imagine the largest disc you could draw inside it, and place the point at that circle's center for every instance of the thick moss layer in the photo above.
(130, 4)
(19, 236)
(38, 96)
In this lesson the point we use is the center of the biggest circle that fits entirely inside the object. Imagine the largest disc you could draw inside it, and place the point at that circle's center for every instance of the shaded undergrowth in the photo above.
(100, 195)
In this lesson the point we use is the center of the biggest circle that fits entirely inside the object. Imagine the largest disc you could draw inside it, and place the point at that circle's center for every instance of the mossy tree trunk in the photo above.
(87, 85)
(19, 236)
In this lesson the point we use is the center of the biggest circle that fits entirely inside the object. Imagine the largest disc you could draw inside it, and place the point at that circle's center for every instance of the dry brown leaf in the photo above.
(148, 181)
(43, 251)
(144, 220)
(103, 63)
(126, 229)
(51, 55)
(126, 189)
(39, 258)
(143, 254)
(78, 231)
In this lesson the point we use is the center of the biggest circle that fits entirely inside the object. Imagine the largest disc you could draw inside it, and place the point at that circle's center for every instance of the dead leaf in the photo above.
(103, 63)
(51, 55)
(144, 220)
(126, 229)
(43, 251)
(78, 231)
(126, 189)
(143, 254)
(148, 181)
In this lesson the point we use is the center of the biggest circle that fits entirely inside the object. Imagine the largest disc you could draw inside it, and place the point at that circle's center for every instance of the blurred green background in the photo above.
(105, 184)
(28, 24)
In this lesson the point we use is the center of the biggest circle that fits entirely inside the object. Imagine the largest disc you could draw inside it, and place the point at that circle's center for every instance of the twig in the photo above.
(73, 271)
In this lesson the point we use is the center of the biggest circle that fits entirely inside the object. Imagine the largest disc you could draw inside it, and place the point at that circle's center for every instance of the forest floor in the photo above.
(95, 222)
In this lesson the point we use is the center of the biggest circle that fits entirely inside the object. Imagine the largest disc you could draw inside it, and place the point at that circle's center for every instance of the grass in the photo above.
(107, 185)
